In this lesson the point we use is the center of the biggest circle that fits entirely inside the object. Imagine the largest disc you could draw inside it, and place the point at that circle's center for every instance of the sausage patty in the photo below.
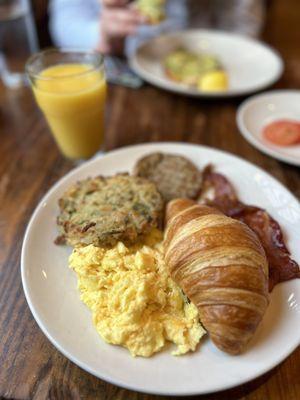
(174, 175)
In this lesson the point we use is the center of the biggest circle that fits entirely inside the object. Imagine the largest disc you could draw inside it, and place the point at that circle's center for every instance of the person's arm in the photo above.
(86, 24)
(75, 23)
(176, 20)
(119, 19)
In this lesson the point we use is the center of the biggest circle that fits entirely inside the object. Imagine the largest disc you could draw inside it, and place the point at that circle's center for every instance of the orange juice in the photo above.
(72, 97)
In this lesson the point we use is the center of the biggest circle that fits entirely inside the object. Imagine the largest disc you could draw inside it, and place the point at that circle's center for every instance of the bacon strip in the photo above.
(281, 266)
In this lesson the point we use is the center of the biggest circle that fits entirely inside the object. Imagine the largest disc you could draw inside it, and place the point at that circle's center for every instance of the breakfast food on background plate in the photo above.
(221, 266)
(221, 253)
(182, 66)
(200, 70)
(102, 211)
(154, 10)
(213, 81)
(282, 132)
(174, 175)
(133, 300)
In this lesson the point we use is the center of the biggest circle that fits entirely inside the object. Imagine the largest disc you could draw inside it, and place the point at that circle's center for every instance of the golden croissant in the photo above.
(221, 266)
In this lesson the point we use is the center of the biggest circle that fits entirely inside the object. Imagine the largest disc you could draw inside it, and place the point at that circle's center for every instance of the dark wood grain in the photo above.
(30, 367)
(40, 13)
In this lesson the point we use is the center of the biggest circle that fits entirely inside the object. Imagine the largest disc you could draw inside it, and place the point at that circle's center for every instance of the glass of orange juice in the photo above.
(70, 89)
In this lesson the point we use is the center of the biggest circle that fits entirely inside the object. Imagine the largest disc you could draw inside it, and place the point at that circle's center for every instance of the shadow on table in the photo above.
(238, 392)
(231, 394)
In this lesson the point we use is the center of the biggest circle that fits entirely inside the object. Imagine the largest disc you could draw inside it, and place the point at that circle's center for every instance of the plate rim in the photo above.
(75, 359)
(250, 137)
(159, 82)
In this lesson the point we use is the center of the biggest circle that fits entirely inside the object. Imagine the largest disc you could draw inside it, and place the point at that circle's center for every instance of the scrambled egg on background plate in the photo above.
(133, 300)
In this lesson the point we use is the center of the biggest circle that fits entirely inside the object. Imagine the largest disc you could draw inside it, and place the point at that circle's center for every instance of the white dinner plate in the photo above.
(251, 65)
(50, 289)
(258, 111)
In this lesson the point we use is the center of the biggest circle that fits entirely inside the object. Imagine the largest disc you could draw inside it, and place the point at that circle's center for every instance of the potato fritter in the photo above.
(102, 211)
(174, 175)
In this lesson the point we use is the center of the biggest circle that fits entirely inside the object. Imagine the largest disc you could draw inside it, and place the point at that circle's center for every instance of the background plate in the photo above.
(251, 65)
(262, 109)
(50, 289)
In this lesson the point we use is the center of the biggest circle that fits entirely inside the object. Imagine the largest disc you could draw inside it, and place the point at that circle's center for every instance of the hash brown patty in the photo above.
(174, 175)
(102, 211)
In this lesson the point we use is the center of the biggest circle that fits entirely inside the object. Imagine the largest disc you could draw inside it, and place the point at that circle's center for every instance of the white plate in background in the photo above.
(260, 110)
(250, 64)
(50, 288)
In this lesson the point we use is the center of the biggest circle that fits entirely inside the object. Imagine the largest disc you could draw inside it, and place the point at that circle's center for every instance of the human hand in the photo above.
(117, 21)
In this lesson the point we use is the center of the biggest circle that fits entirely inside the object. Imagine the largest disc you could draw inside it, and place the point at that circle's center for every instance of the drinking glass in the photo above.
(70, 89)
(17, 40)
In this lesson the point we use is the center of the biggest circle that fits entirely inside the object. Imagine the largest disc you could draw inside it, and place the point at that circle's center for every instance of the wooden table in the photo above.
(30, 367)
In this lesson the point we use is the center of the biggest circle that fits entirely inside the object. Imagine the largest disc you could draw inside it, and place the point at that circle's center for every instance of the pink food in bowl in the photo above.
(282, 132)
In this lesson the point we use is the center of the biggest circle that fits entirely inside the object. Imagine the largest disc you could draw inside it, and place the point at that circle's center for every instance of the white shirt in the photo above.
(75, 23)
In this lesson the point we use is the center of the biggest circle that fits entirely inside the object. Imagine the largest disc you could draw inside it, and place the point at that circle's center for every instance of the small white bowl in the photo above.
(258, 111)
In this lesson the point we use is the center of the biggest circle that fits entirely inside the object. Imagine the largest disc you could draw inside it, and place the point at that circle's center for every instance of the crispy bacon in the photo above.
(224, 197)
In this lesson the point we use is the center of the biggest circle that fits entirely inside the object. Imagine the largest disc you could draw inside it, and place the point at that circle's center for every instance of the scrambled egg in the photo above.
(133, 300)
